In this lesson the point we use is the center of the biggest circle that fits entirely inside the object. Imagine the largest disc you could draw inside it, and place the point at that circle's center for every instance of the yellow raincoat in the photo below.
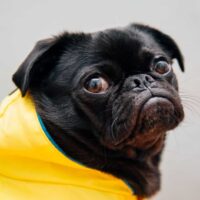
(32, 167)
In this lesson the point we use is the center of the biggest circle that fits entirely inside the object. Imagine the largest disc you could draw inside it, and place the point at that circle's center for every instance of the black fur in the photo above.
(114, 131)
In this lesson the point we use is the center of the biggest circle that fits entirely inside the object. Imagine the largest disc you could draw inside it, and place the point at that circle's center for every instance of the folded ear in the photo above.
(165, 41)
(34, 64)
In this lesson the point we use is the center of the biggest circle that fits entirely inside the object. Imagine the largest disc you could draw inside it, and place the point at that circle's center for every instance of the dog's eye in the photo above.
(96, 85)
(162, 67)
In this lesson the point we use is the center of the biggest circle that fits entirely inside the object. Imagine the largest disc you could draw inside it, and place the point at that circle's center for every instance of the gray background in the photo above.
(23, 22)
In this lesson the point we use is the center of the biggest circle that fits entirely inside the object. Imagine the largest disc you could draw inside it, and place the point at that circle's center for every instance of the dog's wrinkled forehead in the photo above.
(130, 50)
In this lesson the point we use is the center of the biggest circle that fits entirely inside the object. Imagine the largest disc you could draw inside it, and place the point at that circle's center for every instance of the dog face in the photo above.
(116, 87)
(122, 80)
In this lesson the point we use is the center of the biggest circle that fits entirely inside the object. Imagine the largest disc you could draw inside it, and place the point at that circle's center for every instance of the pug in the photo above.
(108, 98)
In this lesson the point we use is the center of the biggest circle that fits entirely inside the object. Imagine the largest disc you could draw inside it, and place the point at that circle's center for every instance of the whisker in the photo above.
(195, 101)
(191, 105)
(191, 102)
(112, 131)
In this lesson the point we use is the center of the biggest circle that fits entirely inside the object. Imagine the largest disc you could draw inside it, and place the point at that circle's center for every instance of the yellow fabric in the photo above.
(32, 168)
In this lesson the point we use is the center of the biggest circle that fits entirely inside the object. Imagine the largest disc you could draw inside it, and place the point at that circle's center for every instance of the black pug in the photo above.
(108, 98)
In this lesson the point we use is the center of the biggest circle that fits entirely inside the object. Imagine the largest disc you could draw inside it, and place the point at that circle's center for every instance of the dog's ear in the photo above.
(34, 64)
(43, 58)
(165, 41)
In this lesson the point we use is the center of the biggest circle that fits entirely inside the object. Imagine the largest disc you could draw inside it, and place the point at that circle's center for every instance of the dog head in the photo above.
(110, 93)
(115, 89)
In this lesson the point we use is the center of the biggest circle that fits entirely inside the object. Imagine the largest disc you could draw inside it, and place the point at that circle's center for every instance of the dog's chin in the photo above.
(156, 116)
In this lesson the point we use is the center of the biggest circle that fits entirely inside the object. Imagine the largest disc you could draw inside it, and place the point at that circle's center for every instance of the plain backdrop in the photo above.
(23, 22)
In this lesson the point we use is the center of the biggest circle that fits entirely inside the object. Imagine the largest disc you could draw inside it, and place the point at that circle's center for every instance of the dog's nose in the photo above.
(141, 81)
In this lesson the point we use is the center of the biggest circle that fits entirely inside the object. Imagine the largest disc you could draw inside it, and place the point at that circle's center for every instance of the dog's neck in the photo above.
(139, 168)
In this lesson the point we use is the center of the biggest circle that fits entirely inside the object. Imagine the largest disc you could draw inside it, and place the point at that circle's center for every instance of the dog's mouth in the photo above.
(155, 116)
